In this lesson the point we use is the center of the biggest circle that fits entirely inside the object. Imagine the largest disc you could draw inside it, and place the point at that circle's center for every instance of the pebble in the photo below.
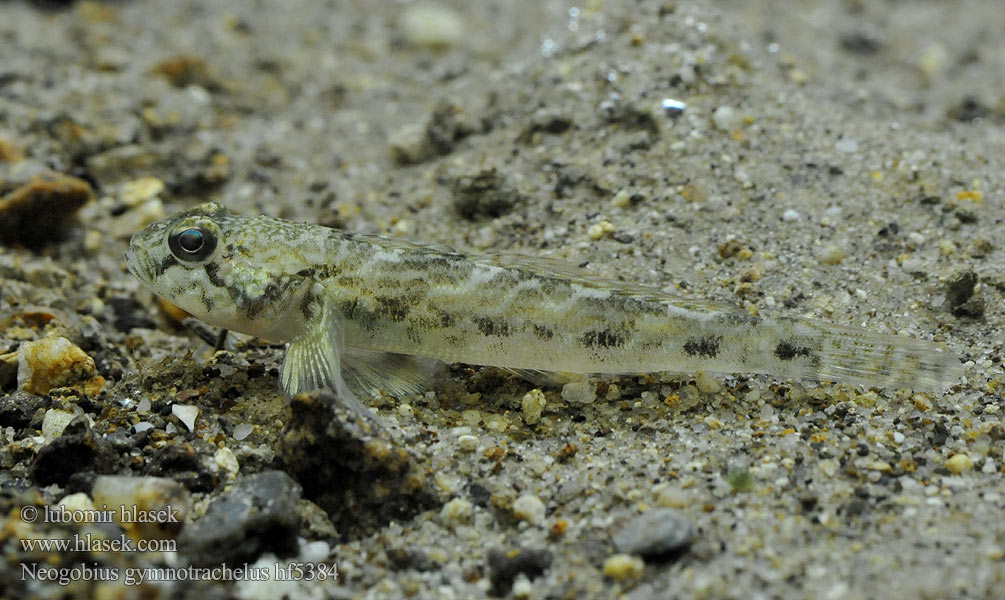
(128, 495)
(186, 413)
(831, 254)
(959, 464)
(533, 404)
(243, 430)
(225, 459)
(961, 295)
(580, 392)
(656, 533)
(77, 502)
(467, 442)
(135, 192)
(54, 422)
(622, 199)
(38, 212)
(623, 567)
(458, 510)
(599, 230)
(913, 265)
(790, 215)
(726, 119)
(522, 587)
(257, 514)
(431, 26)
(56, 362)
(529, 507)
(707, 383)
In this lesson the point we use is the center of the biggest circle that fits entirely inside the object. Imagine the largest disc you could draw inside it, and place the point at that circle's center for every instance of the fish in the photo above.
(363, 312)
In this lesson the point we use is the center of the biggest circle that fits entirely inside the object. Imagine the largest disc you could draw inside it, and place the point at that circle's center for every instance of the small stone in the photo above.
(146, 507)
(707, 383)
(56, 362)
(458, 510)
(599, 230)
(624, 567)
(225, 459)
(75, 505)
(73, 458)
(140, 190)
(257, 514)
(486, 194)
(672, 107)
(242, 431)
(622, 199)
(467, 442)
(348, 465)
(522, 587)
(961, 297)
(186, 413)
(533, 404)
(580, 392)
(790, 215)
(959, 464)
(432, 26)
(38, 212)
(54, 422)
(831, 255)
(529, 507)
(446, 127)
(726, 119)
(913, 265)
(658, 532)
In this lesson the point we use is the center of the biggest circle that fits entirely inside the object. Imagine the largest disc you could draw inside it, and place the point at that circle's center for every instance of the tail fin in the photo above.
(855, 355)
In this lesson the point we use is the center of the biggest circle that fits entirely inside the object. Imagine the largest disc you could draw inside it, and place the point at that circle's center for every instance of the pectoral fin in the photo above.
(313, 360)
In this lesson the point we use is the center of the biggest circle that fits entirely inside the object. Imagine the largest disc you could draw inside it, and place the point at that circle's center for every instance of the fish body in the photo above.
(353, 306)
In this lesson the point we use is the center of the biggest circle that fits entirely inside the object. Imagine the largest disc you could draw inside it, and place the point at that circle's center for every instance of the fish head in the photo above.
(228, 270)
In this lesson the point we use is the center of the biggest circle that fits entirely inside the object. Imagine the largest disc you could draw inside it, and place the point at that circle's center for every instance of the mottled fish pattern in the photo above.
(344, 300)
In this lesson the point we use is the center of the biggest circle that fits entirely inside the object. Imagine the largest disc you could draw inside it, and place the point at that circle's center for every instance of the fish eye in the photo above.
(192, 244)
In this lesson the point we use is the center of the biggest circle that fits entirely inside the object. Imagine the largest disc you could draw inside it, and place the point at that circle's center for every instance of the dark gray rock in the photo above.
(350, 466)
(258, 514)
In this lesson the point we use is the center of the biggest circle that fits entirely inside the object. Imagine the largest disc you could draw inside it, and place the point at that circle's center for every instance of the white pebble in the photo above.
(790, 215)
(316, 551)
(186, 413)
(431, 26)
(831, 254)
(725, 118)
(533, 404)
(225, 459)
(529, 508)
(913, 265)
(707, 383)
(77, 502)
(243, 430)
(458, 510)
(54, 422)
(580, 392)
(467, 442)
